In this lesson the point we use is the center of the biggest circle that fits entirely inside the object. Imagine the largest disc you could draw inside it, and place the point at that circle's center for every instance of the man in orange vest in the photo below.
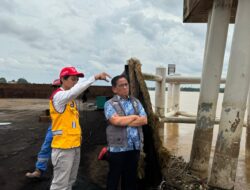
(66, 128)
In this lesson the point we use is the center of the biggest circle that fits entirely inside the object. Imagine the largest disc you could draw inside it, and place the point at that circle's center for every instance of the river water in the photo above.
(178, 137)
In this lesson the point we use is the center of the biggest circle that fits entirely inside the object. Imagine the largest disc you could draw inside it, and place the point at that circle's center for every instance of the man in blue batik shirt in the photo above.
(126, 116)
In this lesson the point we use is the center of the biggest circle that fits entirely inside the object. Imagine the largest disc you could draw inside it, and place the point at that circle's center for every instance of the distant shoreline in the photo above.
(187, 89)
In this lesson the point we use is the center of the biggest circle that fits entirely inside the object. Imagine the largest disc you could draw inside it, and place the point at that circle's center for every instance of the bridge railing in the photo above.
(174, 81)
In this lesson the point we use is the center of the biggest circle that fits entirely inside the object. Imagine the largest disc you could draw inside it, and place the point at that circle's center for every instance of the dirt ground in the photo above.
(21, 141)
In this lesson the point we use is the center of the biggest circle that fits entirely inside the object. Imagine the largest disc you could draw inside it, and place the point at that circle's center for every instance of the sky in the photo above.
(39, 38)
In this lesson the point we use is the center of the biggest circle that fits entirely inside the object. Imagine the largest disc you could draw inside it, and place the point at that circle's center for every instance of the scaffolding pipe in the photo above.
(210, 85)
(226, 154)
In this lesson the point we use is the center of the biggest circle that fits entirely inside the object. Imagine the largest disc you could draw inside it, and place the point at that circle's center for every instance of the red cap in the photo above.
(56, 82)
(70, 71)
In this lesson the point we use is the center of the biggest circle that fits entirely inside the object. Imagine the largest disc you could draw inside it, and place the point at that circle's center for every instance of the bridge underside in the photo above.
(196, 11)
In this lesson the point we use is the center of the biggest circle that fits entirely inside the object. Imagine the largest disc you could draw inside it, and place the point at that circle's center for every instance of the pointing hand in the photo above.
(102, 76)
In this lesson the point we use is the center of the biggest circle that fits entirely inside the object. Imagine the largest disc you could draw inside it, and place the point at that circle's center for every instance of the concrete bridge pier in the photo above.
(247, 145)
(225, 161)
(210, 83)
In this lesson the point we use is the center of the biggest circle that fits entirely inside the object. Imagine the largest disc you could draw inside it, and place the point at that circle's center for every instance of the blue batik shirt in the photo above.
(132, 132)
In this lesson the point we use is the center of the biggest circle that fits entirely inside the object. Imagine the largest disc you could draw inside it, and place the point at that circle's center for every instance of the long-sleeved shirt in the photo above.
(62, 97)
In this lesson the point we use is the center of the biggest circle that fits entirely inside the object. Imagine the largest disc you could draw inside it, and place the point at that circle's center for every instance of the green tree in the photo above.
(22, 81)
(3, 80)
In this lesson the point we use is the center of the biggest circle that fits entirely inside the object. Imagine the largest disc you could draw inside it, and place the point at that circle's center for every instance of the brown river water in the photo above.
(178, 137)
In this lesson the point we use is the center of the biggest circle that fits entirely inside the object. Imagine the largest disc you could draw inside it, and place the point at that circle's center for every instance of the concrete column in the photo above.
(170, 97)
(170, 101)
(160, 92)
(225, 160)
(247, 145)
(207, 34)
(176, 97)
(210, 84)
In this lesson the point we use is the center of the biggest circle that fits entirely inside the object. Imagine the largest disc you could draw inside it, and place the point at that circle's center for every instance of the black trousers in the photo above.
(123, 165)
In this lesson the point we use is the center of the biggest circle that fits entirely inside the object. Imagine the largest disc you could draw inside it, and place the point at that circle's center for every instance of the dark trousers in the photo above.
(123, 165)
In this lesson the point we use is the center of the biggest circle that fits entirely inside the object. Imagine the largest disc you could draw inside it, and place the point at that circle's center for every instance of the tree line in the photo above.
(19, 81)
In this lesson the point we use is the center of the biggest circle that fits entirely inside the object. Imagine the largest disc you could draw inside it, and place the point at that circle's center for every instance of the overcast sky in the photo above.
(38, 38)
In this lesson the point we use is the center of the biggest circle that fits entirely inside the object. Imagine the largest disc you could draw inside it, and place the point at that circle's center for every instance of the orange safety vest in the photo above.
(66, 129)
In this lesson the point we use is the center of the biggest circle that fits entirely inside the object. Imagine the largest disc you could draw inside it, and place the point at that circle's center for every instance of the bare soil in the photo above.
(21, 141)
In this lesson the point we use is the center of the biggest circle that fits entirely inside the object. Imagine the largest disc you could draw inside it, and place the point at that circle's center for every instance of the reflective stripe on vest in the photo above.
(58, 132)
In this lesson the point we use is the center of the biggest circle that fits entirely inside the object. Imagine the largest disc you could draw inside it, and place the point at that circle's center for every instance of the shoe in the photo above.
(36, 174)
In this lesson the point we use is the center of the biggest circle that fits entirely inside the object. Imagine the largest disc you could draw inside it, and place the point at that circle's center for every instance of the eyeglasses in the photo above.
(125, 85)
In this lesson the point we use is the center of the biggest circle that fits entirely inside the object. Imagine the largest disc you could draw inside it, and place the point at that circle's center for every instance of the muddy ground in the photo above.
(21, 140)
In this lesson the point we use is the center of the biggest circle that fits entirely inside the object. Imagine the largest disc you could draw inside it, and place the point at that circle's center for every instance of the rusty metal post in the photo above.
(226, 154)
(160, 91)
(210, 84)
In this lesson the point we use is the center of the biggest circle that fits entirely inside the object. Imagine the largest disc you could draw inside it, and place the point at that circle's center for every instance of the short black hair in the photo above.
(116, 78)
